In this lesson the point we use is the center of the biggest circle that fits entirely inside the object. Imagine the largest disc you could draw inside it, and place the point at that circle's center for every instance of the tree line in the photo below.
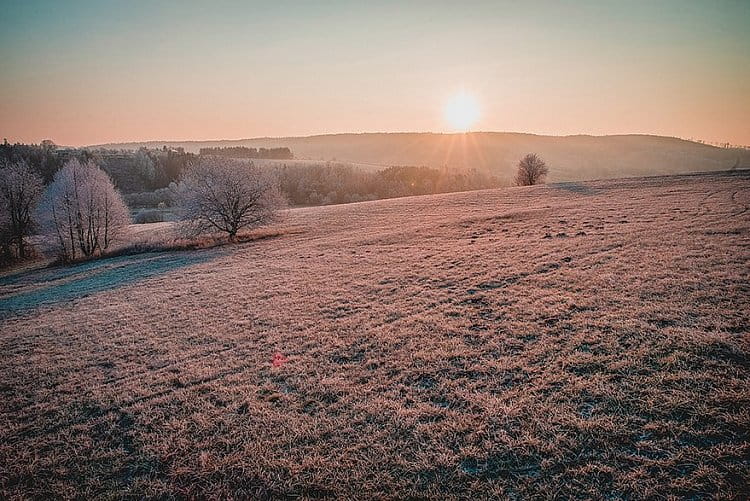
(337, 183)
(282, 153)
(81, 214)
(139, 171)
(131, 171)
(80, 209)
(145, 175)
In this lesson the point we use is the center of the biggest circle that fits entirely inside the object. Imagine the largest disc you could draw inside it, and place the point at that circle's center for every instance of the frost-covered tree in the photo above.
(20, 189)
(144, 167)
(82, 211)
(220, 195)
(531, 170)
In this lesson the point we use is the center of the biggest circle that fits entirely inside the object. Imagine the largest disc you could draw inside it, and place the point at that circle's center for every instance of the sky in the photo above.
(91, 72)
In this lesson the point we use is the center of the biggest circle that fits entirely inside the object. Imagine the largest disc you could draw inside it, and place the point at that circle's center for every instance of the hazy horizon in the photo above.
(88, 73)
(382, 132)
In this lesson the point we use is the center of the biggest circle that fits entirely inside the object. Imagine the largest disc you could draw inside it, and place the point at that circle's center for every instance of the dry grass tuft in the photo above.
(165, 239)
(162, 243)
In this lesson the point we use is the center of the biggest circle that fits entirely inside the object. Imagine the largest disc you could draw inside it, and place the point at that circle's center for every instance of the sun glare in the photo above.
(461, 111)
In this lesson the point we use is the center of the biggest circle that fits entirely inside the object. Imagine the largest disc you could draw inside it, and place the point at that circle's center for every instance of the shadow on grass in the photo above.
(55, 285)
(575, 188)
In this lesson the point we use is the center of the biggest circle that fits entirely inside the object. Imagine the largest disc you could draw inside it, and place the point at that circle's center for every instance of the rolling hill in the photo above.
(569, 157)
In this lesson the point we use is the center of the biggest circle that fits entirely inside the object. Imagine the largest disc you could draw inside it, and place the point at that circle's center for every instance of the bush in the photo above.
(531, 170)
(157, 198)
(146, 216)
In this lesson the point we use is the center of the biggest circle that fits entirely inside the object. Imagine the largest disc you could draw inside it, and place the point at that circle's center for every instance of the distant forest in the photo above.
(131, 171)
(144, 176)
(245, 152)
(338, 183)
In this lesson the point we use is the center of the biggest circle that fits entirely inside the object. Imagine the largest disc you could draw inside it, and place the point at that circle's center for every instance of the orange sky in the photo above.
(94, 72)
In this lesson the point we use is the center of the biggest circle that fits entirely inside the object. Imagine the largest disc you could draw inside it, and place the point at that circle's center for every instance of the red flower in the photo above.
(278, 360)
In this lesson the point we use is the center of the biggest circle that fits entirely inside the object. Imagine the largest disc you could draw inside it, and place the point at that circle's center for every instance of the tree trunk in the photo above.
(21, 248)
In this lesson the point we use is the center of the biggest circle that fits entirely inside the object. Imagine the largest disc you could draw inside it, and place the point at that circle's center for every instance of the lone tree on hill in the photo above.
(221, 195)
(82, 211)
(20, 189)
(531, 170)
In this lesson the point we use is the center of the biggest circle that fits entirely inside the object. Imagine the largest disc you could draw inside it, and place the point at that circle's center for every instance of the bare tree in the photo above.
(82, 211)
(20, 189)
(225, 196)
(531, 170)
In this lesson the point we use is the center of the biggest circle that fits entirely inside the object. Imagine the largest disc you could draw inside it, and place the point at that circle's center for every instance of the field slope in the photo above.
(564, 341)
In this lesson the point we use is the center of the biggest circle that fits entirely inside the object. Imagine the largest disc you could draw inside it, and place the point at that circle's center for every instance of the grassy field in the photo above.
(564, 341)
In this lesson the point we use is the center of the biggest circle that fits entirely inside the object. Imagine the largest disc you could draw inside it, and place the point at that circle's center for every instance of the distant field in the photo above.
(580, 340)
(306, 163)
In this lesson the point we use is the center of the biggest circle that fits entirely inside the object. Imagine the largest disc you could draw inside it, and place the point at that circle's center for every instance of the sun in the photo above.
(461, 111)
